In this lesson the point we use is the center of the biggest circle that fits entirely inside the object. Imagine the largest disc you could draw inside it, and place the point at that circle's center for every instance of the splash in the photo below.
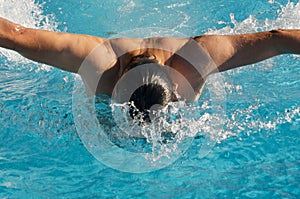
(249, 120)
(288, 18)
(191, 121)
(122, 143)
(127, 7)
(172, 128)
(202, 118)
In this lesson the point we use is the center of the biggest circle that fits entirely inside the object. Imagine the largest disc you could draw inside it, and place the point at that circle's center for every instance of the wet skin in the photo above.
(68, 51)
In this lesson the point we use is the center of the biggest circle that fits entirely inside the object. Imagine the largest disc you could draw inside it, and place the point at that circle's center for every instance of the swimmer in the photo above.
(68, 51)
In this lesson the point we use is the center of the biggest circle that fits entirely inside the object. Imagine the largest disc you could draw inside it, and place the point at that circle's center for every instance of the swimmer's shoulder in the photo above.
(219, 47)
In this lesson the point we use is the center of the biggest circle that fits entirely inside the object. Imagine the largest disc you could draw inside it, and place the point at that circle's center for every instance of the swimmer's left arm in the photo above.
(62, 50)
(232, 51)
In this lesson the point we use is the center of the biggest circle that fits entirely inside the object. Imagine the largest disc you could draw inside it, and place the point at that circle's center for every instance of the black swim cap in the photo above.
(156, 90)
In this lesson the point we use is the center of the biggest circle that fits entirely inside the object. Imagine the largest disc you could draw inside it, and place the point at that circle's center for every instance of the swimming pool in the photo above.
(41, 155)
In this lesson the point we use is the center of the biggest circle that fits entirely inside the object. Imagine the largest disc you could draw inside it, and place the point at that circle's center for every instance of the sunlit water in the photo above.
(257, 151)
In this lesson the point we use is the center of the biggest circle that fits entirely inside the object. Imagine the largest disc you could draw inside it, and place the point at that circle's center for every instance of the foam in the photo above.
(288, 18)
(242, 120)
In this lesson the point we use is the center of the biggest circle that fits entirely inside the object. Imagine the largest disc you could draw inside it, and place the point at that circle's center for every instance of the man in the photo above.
(115, 57)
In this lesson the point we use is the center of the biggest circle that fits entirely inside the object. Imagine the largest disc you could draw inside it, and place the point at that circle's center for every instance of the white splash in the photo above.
(127, 7)
(178, 5)
(245, 119)
(288, 18)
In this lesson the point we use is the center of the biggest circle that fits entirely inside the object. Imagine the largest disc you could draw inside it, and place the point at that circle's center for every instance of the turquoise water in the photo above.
(257, 154)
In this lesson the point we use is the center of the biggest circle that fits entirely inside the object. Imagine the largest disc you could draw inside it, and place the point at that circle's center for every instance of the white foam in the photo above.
(178, 5)
(242, 120)
(127, 7)
(288, 18)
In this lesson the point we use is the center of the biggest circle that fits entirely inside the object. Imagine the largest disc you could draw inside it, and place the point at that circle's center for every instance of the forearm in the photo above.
(47, 47)
(252, 48)
(37, 45)
(63, 50)
(7, 32)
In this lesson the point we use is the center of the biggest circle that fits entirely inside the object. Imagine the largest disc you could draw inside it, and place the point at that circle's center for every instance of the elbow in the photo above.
(287, 41)
(278, 42)
(17, 40)
(10, 34)
(276, 31)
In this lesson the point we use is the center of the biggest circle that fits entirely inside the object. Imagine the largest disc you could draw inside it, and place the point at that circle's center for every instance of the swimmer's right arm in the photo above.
(62, 50)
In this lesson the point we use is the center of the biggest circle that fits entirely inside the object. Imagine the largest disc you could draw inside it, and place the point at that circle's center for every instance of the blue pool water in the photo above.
(257, 154)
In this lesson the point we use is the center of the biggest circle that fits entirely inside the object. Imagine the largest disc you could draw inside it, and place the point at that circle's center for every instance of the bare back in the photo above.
(184, 55)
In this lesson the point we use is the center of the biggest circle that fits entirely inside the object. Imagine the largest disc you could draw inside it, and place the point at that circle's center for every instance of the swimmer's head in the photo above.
(147, 96)
(156, 89)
